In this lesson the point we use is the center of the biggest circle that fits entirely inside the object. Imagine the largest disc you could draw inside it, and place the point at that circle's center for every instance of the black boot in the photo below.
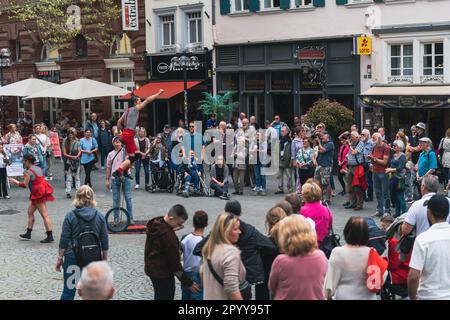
(49, 237)
(27, 234)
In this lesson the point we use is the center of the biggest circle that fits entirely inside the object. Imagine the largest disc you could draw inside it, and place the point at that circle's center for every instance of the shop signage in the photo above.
(166, 67)
(364, 46)
(281, 84)
(310, 79)
(254, 84)
(130, 15)
(310, 54)
(421, 102)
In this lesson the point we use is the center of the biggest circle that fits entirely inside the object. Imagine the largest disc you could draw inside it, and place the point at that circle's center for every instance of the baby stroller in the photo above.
(180, 184)
(162, 178)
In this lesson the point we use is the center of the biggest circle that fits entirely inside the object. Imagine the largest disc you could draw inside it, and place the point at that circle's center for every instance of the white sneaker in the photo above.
(255, 189)
(136, 186)
(103, 168)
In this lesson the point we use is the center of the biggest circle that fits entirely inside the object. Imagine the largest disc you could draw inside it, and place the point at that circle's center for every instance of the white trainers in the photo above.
(136, 186)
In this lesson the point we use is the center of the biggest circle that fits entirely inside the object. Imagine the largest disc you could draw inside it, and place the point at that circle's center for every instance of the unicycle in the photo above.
(117, 219)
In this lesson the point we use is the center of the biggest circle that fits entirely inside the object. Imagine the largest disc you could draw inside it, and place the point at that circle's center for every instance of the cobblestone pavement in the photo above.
(27, 267)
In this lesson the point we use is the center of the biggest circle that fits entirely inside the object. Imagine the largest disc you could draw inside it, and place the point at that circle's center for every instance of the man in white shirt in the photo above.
(428, 277)
(417, 213)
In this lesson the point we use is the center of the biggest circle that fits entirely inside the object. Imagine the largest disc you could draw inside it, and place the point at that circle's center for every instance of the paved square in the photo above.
(27, 267)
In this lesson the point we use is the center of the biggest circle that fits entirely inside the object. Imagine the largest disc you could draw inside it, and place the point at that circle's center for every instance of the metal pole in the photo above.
(2, 100)
(186, 124)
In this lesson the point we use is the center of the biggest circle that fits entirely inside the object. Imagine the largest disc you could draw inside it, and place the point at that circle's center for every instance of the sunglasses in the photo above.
(191, 126)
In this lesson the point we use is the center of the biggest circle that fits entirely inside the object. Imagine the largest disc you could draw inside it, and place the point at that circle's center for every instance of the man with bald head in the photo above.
(380, 161)
(96, 282)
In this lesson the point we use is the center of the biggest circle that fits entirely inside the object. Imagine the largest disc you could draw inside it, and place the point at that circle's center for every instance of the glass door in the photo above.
(255, 107)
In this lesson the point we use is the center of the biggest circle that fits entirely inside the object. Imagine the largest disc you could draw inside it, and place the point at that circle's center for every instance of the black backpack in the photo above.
(88, 247)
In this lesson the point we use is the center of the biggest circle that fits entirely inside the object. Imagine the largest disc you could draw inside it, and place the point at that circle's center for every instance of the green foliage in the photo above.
(336, 117)
(48, 18)
(221, 105)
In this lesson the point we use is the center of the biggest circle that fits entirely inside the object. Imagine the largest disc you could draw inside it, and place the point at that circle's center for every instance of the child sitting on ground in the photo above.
(191, 263)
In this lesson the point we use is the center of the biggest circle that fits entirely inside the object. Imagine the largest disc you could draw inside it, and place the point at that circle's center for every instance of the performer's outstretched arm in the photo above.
(149, 99)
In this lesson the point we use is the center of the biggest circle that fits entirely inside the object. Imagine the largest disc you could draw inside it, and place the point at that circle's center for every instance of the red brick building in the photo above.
(122, 64)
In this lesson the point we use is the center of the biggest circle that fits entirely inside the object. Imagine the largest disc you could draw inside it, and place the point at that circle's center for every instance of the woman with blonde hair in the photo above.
(299, 272)
(84, 214)
(315, 210)
(273, 217)
(222, 271)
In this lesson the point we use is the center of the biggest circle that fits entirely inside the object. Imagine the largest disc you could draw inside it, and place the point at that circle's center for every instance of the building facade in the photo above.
(178, 28)
(122, 64)
(410, 65)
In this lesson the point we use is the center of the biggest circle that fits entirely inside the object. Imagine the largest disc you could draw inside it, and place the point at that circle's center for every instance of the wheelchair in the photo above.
(162, 177)
(391, 291)
(180, 186)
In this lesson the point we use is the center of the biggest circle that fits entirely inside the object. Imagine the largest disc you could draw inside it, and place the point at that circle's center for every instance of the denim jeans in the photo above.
(400, 203)
(145, 164)
(116, 186)
(72, 273)
(381, 188)
(218, 190)
(186, 294)
(193, 177)
(410, 177)
(103, 155)
(260, 179)
(369, 180)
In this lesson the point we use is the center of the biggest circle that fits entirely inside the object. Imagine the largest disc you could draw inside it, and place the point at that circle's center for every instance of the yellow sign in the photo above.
(364, 45)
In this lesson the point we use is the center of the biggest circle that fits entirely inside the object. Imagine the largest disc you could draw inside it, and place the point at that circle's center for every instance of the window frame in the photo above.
(198, 22)
(302, 5)
(243, 3)
(433, 59)
(172, 30)
(401, 56)
(272, 7)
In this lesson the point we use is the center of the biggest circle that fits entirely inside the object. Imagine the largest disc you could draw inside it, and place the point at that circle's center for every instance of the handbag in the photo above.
(376, 267)
(245, 288)
(331, 240)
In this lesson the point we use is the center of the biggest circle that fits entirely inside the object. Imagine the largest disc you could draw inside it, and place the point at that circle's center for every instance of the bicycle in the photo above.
(117, 218)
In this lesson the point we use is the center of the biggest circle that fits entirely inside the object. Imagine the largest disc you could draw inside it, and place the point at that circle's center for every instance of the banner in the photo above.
(54, 140)
(130, 15)
(14, 153)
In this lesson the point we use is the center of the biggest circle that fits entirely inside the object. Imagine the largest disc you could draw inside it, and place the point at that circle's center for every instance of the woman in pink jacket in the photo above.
(315, 210)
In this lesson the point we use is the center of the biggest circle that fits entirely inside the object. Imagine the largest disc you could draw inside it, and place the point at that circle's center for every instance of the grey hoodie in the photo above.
(71, 229)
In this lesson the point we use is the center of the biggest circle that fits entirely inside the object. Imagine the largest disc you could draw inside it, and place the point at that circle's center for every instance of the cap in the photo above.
(234, 207)
(421, 125)
(425, 140)
(439, 205)
(387, 218)
(115, 138)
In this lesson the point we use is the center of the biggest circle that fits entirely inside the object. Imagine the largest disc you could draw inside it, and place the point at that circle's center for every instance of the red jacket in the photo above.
(342, 156)
(359, 180)
(398, 270)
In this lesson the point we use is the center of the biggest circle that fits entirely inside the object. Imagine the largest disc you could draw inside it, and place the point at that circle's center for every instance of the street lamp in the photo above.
(185, 61)
(5, 62)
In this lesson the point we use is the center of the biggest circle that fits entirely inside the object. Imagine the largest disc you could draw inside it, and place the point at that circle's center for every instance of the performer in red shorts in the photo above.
(40, 192)
(128, 122)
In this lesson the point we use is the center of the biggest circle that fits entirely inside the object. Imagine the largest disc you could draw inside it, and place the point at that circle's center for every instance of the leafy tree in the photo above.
(220, 105)
(336, 117)
(57, 22)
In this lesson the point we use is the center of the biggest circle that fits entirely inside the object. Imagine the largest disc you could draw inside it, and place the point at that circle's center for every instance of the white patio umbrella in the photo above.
(81, 89)
(25, 88)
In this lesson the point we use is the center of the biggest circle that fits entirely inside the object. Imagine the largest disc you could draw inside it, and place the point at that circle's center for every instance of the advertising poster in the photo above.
(54, 140)
(14, 153)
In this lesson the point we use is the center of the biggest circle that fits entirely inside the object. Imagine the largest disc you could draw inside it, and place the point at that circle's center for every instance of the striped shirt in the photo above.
(353, 160)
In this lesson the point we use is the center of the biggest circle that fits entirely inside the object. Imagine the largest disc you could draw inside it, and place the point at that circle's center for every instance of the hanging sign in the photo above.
(130, 15)
(364, 46)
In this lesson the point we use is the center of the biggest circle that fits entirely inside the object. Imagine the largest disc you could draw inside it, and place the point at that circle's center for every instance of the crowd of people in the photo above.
(289, 261)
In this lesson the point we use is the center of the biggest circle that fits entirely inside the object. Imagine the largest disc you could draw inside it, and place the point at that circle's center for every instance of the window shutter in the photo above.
(285, 4)
(225, 7)
(253, 5)
(340, 2)
(319, 3)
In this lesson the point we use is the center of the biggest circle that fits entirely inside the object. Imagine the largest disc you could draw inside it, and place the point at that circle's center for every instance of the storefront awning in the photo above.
(406, 97)
(171, 89)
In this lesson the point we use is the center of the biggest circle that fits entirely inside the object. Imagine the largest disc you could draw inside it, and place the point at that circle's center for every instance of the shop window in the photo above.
(401, 60)
(81, 47)
(271, 4)
(168, 30)
(254, 81)
(122, 75)
(229, 82)
(433, 59)
(194, 27)
(281, 81)
(121, 46)
(49, 53)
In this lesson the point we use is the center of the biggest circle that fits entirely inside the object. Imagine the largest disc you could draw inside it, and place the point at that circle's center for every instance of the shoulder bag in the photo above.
(245, 288)
(331, 240)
